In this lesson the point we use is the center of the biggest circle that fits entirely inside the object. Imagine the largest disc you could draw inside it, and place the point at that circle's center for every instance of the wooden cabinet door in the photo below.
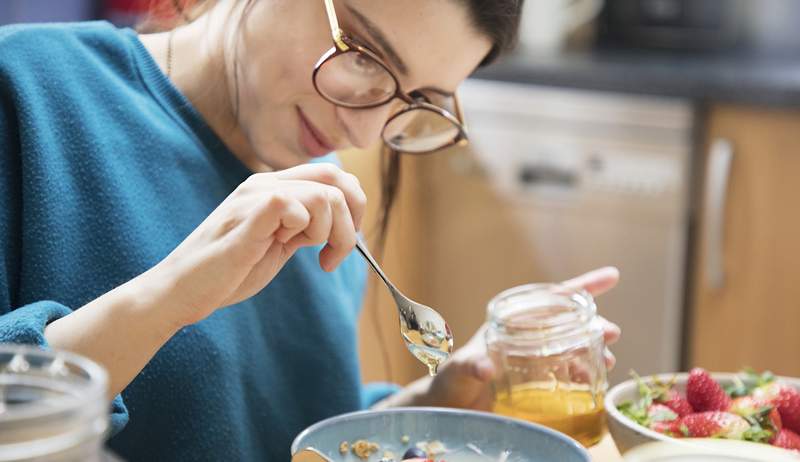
(745, 308)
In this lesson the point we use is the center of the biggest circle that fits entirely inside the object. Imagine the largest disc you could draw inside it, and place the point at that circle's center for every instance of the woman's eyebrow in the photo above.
(387, 48)
(376, 35)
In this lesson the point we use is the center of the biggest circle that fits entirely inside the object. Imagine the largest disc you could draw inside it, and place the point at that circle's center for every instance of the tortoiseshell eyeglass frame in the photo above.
(342, 44)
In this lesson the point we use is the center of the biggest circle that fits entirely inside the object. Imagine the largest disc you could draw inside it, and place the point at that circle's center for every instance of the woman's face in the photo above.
(425, 43)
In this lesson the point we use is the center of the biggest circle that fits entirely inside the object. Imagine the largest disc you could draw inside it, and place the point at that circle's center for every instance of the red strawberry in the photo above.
(704, 393)
(787, 439)
(713, 424)
(786, 399)
(677, 403)
(758, 408)
(668, 428)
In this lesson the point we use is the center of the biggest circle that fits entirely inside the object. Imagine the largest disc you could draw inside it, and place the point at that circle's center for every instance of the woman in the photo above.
(152, 180)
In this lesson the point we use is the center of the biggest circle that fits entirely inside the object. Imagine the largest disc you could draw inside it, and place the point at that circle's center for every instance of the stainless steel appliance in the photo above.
(597, 179)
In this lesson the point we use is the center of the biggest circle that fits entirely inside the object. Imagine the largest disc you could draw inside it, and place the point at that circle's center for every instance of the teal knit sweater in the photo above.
(104, 169)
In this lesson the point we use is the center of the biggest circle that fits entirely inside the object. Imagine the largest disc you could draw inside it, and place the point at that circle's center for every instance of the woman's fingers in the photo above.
(595, 282)
(611, 331)
(330, 222)
(342, 236)
(483, 368)
(609, 358)
(294, 219)
(332, 175)
(272, 216)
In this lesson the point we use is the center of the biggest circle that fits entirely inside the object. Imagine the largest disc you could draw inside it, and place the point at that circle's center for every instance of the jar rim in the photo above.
(91, 388)
(575, 315)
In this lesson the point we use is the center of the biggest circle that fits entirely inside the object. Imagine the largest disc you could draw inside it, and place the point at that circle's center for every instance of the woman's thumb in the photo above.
(483, 368)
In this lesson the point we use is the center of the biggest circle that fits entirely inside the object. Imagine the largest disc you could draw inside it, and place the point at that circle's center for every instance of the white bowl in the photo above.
(628, 434)
(709, 450)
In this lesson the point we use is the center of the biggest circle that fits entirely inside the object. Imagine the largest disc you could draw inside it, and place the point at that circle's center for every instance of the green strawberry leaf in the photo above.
(758, 380)
(737, 388)
(635, 411)
(758, 434)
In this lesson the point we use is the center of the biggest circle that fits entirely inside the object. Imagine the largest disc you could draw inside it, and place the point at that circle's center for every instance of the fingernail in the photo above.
(484, 368)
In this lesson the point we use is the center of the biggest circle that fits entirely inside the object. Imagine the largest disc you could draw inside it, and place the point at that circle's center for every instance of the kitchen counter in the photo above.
(771, 81)
(605, 451)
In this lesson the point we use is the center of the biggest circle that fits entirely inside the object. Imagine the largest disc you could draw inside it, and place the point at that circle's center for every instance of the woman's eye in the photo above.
(421, 97)
(363, 65)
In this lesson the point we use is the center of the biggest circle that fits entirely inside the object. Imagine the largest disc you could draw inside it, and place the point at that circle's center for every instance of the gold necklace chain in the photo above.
(169, 52)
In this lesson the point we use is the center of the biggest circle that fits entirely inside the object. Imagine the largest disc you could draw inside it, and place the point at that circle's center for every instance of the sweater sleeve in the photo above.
(374, 392)
(24, 324)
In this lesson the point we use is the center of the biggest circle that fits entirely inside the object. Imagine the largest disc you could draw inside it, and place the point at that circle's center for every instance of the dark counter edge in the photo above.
(760, 81)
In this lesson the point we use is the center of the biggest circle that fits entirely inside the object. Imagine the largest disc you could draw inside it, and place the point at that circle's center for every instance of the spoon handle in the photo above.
(362, 248)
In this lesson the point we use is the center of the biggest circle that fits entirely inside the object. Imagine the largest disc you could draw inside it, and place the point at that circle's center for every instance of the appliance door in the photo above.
(593, 182)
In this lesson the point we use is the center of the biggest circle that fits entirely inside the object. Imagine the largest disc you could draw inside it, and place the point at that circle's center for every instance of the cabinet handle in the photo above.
(718, 173)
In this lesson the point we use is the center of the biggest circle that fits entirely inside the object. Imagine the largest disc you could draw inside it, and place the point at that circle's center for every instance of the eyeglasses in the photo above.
(350, 75)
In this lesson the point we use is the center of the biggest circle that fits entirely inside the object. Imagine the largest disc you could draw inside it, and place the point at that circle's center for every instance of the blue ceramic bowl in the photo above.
(456, 428)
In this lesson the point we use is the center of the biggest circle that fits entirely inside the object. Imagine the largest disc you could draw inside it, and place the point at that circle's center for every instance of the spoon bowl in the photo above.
(427, 335)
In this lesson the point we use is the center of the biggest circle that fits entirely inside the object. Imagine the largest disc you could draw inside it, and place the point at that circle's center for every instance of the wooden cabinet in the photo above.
(745, 304)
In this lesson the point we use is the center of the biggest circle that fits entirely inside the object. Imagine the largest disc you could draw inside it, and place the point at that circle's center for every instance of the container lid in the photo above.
(50, 401)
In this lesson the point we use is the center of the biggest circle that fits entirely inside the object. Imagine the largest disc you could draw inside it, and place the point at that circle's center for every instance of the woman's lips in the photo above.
(311, 139)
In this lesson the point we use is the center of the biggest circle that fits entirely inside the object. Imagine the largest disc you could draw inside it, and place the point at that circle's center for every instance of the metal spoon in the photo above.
(425, 331)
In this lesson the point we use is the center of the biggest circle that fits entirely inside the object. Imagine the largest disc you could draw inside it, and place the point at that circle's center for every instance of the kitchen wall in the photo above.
(13, 11)
(120, 12)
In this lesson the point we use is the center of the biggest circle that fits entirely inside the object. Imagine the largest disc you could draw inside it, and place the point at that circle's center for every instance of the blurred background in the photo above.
(659, 136)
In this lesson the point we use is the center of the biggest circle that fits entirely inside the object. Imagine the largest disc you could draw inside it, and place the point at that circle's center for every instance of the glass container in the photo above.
(546, 343)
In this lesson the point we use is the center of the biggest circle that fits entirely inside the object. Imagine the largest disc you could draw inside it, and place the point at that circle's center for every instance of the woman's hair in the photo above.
(497, 19)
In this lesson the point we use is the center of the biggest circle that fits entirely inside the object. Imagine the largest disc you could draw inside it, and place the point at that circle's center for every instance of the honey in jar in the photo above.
(547, 346)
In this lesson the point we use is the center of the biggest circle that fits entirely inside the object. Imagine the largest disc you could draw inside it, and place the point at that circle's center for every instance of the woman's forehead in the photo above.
(428, 43)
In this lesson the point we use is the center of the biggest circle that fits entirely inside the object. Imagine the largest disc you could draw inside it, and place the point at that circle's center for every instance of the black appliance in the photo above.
(762, 25)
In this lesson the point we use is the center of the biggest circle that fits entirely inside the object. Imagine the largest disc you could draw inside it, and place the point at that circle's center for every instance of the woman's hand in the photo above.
(233, 254)
(244, 243)
(463, 381)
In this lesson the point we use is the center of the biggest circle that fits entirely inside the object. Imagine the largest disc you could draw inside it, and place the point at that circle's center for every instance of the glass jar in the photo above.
(53, 406)
(546, 343)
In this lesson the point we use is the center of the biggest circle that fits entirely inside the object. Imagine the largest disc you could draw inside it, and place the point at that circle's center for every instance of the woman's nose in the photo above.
(364, 126)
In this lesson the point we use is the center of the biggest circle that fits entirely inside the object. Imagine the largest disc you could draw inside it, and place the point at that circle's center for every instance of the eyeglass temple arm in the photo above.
(460, 117)
(336, 32)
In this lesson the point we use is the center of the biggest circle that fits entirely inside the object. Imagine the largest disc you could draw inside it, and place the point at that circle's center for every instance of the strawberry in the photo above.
(704, 393)
(786, 399)
(713, 424)
(662, 393)
(787, 439)
(667, 428)
(760, 410)
(673, 400)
